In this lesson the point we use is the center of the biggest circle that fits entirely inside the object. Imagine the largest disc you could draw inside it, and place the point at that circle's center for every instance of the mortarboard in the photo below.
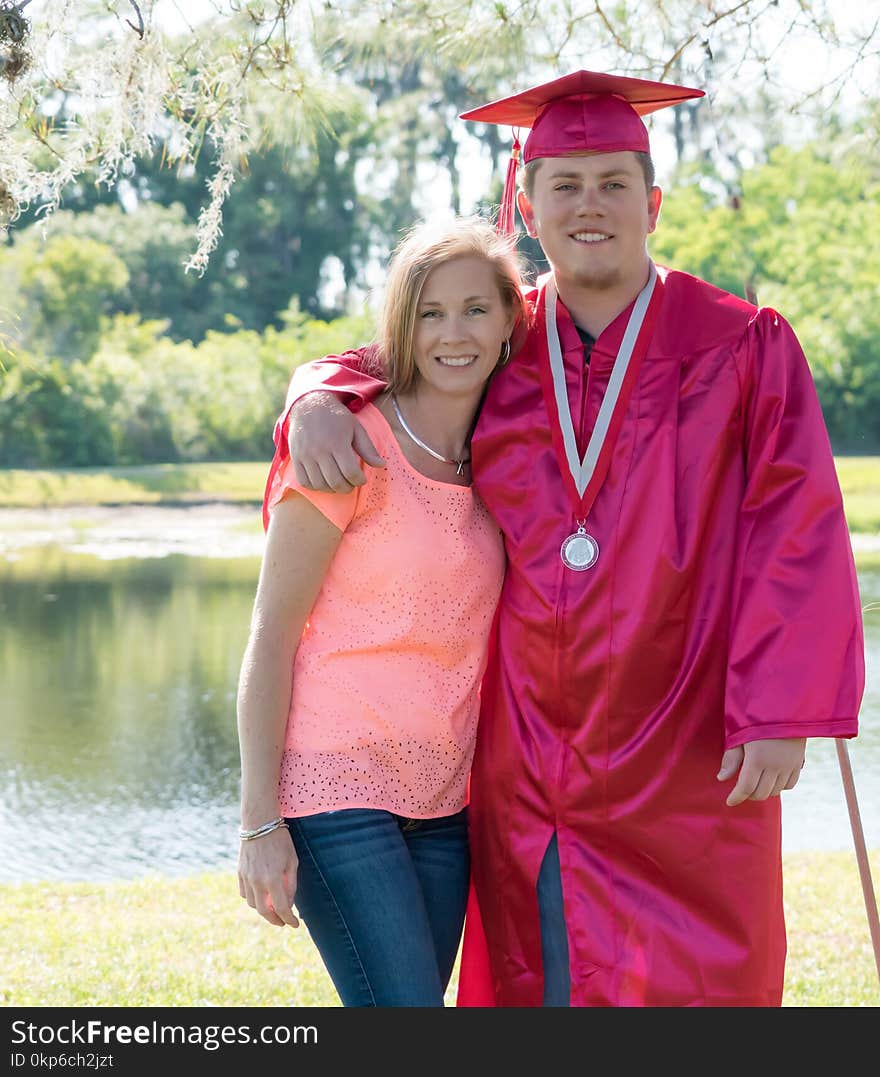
(583, 112)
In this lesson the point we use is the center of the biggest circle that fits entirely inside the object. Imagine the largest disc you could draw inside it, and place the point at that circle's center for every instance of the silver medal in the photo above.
(580, 551)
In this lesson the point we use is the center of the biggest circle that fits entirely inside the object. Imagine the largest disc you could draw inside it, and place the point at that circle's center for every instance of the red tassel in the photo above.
(507, 213)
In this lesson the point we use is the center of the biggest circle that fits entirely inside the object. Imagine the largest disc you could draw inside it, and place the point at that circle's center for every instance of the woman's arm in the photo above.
(300, 544)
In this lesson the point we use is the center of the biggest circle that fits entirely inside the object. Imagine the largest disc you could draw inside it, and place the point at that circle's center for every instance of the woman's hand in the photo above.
(267, 876)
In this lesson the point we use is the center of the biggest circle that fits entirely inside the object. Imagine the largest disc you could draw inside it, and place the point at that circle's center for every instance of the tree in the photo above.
(62, 288)
(294, 212)
(804, 236)
(297, 213)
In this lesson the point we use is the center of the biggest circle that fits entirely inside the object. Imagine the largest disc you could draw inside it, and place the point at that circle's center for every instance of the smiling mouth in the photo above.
(590, 237)
(456, 360)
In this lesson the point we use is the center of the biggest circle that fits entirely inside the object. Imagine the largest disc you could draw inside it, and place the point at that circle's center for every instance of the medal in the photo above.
(584, 477)
(580, 551)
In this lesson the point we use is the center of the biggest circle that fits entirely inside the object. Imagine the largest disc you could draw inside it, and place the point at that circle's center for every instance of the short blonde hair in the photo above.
(424, 247)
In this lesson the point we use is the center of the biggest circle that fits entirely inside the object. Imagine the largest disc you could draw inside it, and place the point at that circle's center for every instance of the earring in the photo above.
(504, 358)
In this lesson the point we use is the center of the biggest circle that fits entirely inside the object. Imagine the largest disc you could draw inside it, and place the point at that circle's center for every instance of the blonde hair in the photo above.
(423, 248)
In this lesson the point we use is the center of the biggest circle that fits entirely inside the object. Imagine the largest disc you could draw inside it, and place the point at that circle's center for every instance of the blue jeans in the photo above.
(554, 936)
(384, 899)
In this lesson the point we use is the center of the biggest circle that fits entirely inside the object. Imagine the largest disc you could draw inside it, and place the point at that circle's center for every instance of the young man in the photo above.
(680, 611)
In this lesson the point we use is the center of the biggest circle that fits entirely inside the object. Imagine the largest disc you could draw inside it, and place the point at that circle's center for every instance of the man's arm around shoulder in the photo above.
(325, 441)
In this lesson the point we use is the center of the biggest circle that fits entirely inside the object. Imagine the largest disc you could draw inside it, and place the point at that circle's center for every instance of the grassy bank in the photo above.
(193, 942)
(243, 482)
(171, 484)
(860, 483)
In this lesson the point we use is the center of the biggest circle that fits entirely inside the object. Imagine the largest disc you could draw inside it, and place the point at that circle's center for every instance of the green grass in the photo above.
(860, 482)
(194, 942)
(158, 484)
(243, 482)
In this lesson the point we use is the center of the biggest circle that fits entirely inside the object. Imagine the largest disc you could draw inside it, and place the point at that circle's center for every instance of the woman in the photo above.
(358, 694)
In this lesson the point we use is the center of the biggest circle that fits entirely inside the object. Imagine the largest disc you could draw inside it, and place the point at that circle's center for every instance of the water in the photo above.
(118, 749)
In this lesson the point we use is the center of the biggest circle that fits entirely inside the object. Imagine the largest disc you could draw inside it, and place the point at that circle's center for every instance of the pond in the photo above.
(118, 749)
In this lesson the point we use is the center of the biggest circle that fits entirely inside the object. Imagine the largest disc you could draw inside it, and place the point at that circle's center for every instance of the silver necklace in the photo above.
(459, 464)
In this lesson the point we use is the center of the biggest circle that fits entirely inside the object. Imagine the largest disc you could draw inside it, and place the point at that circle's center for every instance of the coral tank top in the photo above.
(386, 677)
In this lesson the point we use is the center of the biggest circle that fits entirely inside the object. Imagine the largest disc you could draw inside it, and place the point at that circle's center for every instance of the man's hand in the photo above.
(766, 767)
(327, 444)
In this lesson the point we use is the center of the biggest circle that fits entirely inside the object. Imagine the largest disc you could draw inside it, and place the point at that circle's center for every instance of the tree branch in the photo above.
(139, 29)
(613, 34)
(726, 14)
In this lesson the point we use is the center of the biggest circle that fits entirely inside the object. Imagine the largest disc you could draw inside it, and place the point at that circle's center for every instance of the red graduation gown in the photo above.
(723, 608)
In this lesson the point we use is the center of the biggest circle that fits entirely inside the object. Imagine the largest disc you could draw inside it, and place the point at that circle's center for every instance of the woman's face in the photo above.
(461, 323)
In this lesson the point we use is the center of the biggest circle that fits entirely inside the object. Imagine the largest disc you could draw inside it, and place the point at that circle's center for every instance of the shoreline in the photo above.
(209, 528)
(225, 529)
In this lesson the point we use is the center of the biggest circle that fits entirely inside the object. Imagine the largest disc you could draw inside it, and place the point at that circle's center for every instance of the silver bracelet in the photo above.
(260, 831)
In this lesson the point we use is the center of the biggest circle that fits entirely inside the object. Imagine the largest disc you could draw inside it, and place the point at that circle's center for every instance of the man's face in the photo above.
(592, 214)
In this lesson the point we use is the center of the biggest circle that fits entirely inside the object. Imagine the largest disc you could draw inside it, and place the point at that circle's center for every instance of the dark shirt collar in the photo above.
(587, 340)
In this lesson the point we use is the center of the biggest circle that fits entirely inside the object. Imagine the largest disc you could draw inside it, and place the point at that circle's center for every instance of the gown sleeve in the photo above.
(796, 650)
(355, 374)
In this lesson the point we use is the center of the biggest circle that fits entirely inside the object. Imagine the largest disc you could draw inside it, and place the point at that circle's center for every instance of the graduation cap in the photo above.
(583, 112)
